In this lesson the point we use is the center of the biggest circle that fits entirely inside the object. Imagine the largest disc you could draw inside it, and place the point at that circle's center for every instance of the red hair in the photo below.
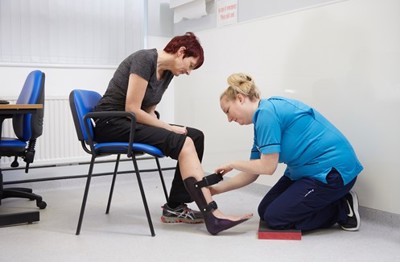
(192, 45)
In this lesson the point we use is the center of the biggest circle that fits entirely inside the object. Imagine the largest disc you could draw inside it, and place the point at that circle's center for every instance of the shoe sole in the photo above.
(177, 220)
(356, 213)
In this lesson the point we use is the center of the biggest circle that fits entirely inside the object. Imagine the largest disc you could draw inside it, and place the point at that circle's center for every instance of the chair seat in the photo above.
(122, 147)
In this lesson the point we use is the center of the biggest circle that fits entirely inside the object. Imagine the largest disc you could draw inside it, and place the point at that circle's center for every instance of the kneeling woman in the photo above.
(322, 167)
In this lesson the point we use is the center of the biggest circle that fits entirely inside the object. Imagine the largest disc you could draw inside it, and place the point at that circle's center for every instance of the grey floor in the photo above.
(123, 235)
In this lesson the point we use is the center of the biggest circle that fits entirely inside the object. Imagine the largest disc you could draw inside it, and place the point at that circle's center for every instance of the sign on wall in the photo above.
(227, 12)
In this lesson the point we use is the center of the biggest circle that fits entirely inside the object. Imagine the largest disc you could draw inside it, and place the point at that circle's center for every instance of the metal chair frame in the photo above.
(82, 103)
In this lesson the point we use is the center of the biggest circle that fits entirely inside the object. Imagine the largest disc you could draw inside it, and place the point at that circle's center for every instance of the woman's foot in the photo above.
(220, 215)
(215, 220)
(216, 224)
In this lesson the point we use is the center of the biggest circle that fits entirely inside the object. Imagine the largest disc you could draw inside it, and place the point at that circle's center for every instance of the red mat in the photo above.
(266, 233)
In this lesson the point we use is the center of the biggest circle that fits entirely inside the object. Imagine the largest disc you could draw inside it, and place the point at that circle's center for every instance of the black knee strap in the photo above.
(209, 180)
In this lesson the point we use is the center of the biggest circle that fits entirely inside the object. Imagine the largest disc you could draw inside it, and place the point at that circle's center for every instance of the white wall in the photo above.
(343, 59)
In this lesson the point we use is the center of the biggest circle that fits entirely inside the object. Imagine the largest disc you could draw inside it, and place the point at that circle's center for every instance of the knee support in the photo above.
(209, 180)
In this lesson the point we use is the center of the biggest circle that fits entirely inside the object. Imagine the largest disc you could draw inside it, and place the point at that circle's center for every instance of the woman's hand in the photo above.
(179, 130)
(222, 170)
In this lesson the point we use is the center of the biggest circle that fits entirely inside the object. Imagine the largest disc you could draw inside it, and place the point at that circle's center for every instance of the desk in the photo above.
(15, 108)
(7, 111)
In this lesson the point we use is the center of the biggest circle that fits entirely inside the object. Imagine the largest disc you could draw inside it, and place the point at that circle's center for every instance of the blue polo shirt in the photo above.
(306, 141)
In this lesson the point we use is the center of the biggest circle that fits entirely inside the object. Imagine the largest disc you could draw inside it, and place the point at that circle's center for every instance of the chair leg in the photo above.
(162, 178)
(85, 195)
(112, 184)
(146, 208)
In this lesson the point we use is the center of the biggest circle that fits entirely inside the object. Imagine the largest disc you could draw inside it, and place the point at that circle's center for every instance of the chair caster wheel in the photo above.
(41, 204)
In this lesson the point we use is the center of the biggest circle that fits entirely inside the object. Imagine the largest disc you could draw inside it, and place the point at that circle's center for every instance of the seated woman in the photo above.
(137, 86)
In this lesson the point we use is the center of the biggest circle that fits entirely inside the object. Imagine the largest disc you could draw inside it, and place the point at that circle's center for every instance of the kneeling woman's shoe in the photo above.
(214, 224)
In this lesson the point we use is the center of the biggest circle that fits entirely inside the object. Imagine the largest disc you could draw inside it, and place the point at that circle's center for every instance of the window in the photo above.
(70, 32)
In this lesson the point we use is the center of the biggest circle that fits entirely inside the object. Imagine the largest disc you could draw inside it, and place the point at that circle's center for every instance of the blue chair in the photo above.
(27, 128)
(82, 103)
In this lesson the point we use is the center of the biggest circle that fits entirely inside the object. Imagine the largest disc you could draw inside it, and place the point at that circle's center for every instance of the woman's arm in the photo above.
(240, 180)
(136, 90)
(266, 165)
(250, 170)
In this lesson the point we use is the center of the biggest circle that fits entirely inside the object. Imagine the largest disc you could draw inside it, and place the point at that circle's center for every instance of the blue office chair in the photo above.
(27, 128)
(82, 103)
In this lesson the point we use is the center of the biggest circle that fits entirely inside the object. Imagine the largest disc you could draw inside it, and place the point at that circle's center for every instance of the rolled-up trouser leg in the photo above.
(214, 225)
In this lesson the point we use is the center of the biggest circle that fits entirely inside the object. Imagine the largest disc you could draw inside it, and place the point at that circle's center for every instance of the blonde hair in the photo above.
(241, 83)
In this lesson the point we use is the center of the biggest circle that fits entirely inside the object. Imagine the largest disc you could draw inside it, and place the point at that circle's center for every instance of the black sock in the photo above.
(173, 205)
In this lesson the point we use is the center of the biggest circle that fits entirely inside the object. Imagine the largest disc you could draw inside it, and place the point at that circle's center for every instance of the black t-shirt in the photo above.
(144, 64)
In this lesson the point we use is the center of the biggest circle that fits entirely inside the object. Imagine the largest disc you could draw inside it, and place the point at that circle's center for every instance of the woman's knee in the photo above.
(274, 217)
(270, 217)
(195, 134)
(261, 211)
(266, 213)
(188, 147)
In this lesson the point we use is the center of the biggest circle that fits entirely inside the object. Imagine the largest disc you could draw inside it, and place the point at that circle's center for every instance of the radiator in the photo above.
(59, 143)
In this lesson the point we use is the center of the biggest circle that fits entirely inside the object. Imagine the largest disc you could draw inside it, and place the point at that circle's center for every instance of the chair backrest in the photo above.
(30, 126)
(81, 103)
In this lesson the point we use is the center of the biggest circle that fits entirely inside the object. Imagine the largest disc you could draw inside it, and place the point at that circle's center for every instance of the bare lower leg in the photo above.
(190, 166)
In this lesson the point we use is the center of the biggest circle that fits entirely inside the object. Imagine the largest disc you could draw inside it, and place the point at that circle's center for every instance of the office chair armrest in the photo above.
(104, 114)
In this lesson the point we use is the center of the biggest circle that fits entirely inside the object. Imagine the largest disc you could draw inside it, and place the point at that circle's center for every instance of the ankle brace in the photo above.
(197, 195)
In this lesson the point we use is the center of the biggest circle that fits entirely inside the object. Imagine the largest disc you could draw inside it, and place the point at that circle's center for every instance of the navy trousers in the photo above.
(305, 204)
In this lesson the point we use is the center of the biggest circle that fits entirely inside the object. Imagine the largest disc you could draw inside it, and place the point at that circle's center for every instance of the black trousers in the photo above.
(170, 143)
